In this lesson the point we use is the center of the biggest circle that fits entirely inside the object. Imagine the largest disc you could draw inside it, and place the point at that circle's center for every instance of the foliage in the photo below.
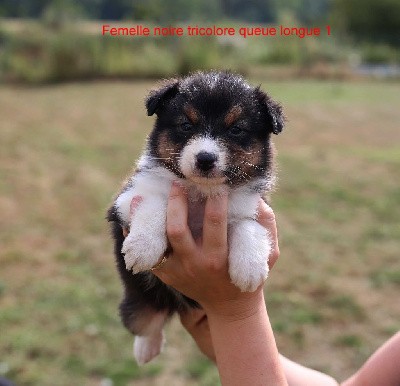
(65, 54)
(260, 11)
(43, 53)
(307, 12)
(369, 20)
(379, 53)
(163, 11)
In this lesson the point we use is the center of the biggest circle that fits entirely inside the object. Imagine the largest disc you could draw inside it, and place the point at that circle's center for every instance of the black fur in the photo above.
(212, 94)
(261, 116)
(142, 289)
(157, 98)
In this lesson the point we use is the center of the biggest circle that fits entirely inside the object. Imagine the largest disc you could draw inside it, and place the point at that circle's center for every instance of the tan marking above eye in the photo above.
(191, 113)
(232, 115)
(165, 148)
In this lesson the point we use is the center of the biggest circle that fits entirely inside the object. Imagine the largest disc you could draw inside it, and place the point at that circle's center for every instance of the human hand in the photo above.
(195, 321)
(196, 262)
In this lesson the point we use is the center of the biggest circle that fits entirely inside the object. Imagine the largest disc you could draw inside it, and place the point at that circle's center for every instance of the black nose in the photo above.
(205, 161)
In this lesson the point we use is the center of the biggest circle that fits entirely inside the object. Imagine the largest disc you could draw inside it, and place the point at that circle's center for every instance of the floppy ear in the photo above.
(276, 118)
(157, 98)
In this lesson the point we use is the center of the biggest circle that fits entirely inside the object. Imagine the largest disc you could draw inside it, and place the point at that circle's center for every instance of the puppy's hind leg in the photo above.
(147, 324)
(149, 343)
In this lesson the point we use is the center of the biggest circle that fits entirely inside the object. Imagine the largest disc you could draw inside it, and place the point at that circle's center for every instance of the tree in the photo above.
(369, 20)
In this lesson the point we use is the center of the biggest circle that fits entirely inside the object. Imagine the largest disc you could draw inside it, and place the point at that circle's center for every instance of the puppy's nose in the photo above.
(205, 161)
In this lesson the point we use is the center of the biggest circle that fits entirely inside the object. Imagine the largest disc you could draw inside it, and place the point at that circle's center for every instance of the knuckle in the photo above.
(174, 194)
(165, 278)
(176, 191)
(187, 322)
(215, 264)
(176, 231)
(266, 214)
(215, 217)
(274, 256)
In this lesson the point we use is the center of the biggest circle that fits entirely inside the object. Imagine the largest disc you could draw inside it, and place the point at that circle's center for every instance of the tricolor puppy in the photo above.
(212, 133)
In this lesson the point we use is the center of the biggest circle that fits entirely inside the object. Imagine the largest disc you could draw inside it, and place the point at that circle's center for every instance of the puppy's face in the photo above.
(213, 128)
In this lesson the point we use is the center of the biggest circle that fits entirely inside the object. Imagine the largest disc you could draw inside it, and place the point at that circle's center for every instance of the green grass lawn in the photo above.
(64, 150)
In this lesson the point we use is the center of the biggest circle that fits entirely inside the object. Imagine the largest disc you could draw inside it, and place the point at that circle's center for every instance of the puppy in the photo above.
(212, 134)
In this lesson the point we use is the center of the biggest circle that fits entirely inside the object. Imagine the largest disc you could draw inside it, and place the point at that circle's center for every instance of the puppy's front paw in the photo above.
(143, 250)
(248, 257)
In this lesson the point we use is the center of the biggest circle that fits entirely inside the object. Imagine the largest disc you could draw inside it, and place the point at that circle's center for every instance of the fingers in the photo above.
(179, 236)
(215, 228)
(192, 318)
(196, 323)
(178, 231)
(136, 200)
(266, 218)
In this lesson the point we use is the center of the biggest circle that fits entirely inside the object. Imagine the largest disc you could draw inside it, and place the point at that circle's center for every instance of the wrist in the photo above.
(244, 344)
(237, 310)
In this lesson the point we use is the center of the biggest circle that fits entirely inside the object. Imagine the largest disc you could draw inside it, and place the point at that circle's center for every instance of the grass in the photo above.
(203, 371)
(64, 151)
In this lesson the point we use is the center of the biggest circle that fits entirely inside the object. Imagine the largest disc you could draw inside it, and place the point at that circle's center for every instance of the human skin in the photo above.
(240, 330)
(195, 322)
(382, 366)
(380, 369)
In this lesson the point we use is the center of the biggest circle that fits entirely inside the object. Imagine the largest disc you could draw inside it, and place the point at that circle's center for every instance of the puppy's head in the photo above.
(213, 128)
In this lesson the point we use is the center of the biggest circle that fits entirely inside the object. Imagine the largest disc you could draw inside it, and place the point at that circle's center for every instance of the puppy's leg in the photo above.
(147, 324)
(149, 344)
(250, 247)
(147, 239)
(249, 244)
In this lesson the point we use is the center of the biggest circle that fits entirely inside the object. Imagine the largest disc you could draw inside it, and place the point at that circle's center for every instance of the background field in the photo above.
(332, 297)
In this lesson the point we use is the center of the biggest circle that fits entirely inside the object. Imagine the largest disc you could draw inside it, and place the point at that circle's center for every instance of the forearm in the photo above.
(245, 348)
(298, 375)
(381, 368)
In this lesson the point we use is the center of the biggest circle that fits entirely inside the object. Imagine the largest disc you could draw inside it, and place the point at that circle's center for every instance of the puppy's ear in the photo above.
(157, 98)
(276, 118)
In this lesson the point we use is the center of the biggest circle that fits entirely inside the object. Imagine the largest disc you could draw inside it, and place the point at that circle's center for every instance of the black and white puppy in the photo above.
(212, 133)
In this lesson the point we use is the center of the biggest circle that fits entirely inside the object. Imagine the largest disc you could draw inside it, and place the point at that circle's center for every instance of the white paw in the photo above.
(145, 348)
(142, 250)
(248, 257)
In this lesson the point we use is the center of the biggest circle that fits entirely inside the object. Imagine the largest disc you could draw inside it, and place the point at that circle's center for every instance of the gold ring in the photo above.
(160, 263)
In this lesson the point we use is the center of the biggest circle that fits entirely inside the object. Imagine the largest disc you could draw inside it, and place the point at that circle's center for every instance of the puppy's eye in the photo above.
(186, 127)
(236, 131)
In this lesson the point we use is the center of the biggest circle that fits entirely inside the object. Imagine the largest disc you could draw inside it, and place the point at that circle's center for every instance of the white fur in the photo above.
(249, 248)
(249, 244)
(187, 161)
(123, 203)
(147, 240)
(150, 343)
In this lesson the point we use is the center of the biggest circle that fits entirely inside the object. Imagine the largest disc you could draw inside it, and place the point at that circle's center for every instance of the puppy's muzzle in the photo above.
(206, 161)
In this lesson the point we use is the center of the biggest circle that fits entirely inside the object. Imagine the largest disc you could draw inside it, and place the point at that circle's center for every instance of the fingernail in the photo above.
(178, 185)
(136, 200)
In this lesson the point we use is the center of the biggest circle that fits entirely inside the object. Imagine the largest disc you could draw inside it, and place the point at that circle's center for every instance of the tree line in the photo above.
(368, 20)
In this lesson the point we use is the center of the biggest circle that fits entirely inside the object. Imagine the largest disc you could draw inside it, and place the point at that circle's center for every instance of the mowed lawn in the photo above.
(333, 296)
